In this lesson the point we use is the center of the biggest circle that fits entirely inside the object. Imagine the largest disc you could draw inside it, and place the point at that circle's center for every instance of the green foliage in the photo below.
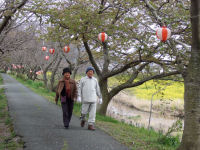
(8, 121)
(169, 140)
(21, 76)
(29, 82)
(176, 127)
(1, 80)
(38, 84)
(2, 71)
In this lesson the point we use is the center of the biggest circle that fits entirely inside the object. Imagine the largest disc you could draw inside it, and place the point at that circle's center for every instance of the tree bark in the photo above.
(191, 133)
(53, 74)
(105, 95)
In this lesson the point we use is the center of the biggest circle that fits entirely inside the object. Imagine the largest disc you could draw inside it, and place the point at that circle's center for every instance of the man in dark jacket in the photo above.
(67, 92)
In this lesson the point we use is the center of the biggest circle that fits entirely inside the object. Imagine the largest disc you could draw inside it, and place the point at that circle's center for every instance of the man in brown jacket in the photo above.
(67, 92)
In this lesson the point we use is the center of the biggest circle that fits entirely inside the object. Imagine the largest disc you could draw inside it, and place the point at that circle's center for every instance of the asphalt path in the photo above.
(39, 123)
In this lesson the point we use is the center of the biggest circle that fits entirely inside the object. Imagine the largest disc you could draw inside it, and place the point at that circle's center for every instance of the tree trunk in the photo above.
(191, 133)
(53, 75)
(74, 72)
(45, 79)
(105, 96)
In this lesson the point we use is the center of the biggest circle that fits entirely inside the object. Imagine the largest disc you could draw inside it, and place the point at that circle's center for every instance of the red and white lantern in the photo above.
(39, 72)
(51, 50)
(102, 36)
(163, 33)
(18, 66)
(14, 66)
(44, 48)
(46, 57)
(66, 49)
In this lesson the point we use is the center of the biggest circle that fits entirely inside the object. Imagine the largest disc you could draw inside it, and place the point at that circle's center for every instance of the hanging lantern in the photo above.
(18, 66)
(102, 36)
(46, 57)
(14, 66)
(51, 50)
(66, 49)
(163, 33)
(39, 72)
(44, 48)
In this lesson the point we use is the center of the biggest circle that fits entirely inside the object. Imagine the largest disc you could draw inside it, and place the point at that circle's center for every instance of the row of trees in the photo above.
(132, 47)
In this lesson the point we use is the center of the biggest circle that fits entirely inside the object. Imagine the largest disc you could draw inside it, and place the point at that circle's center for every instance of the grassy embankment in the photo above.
(8, 138)
(134, 137)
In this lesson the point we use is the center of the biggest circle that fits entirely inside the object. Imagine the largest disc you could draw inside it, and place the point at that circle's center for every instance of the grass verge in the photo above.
(8, 139)
(133, 137)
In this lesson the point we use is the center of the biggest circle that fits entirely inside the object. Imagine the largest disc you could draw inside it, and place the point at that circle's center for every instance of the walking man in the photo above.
(67, 91)
(87, 94)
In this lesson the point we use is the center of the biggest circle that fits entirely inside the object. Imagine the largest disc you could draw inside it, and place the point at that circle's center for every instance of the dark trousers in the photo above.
(67, 109)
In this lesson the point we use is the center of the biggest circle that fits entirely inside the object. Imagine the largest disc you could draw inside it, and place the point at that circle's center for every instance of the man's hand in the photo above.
(100, 101)
(79, 99)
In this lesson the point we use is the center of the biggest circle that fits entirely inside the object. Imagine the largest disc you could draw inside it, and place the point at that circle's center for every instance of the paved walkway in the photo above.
(39, 122)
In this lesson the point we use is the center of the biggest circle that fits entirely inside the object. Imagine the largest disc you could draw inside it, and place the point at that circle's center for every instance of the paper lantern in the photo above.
(39, 72)
(102, 36)
(46, 57)
(44, 48)
(163, 33)
(14, 66)
(51, 50)
(66, 49)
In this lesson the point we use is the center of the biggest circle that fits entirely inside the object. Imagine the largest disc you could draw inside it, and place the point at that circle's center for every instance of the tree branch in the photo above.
(117, 89)
(91, 57)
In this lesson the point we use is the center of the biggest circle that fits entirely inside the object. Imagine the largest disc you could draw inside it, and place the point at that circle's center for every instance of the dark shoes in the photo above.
(66, 127)
(82, 123)
(91, 127)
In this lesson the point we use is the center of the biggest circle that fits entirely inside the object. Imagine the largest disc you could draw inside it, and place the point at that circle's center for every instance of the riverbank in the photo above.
(136, 112)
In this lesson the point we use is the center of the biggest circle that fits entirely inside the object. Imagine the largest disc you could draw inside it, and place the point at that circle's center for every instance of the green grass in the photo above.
(134, 137)
(139, 138)
(1, 80)
(7, 135)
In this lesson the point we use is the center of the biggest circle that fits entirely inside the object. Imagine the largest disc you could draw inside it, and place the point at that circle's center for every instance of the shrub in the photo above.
(169, 140)
(38, 84)
(30, 82)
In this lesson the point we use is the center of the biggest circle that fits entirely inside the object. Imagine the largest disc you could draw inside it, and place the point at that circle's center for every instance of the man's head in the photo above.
(66, 73)
(90, 71)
